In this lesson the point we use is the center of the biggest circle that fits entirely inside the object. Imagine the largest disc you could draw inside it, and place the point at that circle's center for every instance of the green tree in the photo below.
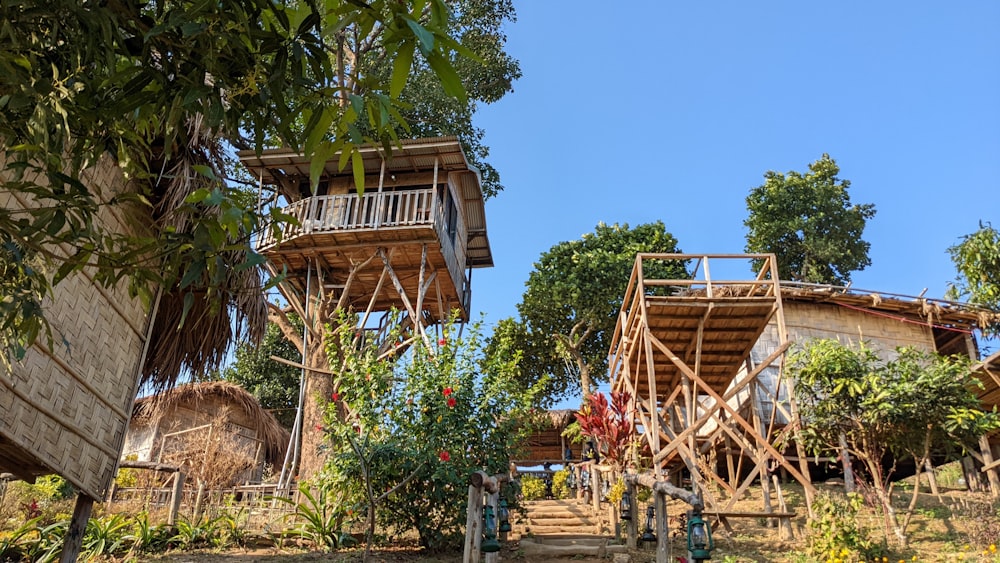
(977, 259)
(427, 107)
(161, 89)
(275, 385)
(907, 408)
(405, 436)
(808, 222)
(572, 301)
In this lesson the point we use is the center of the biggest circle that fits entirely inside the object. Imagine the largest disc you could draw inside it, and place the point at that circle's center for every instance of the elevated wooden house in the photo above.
(420, 215)
(703, 358)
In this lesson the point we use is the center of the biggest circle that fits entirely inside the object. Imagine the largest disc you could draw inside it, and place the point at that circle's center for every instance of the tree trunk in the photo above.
(319, 387)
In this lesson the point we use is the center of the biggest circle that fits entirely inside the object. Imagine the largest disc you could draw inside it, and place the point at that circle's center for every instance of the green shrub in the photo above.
(560, 484)
(532, 488)
(834, 531)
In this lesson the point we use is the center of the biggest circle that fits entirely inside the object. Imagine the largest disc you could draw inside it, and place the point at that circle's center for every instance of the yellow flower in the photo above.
(993, 548)
(844, 552)
(914, 557)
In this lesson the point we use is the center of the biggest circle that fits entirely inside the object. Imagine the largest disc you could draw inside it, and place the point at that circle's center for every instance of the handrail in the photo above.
(341, 212)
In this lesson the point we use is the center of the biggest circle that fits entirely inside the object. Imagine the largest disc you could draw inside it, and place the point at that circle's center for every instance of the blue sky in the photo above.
(673, 111)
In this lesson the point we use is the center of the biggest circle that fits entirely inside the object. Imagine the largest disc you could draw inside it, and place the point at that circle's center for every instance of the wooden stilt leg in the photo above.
(77, 527)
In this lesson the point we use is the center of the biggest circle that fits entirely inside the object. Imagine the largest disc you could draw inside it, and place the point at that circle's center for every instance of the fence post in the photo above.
(473, 524)
(662, 529)
(632, 525)
(175, 498)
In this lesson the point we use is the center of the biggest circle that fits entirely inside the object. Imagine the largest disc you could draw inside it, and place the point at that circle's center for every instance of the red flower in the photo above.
(335, 396)
(442, 342)
(444, 456)
(319, 427)
(451, 402)
(447, 391)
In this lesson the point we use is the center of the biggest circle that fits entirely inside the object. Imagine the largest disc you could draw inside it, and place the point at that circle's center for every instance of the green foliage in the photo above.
(883, 406)
(977, 259)
(320, 518)
(914, 405)
(105, 536)
(835, 532)
(52, 488)
(572, 301)
(128, 80)
(192, 533)
(809, 223)
(145, 536)
(532, 488)
(404, 436)
(560, 484)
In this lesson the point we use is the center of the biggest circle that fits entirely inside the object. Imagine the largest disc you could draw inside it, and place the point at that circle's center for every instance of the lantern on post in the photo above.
(490, 543)
(504, 514)
(647, 534)
(699, 538)
(625, 506)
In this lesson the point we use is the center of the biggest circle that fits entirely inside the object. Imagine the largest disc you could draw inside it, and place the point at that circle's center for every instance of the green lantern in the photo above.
(647, 535)
(504, 514)
(490, 543)
(699, 536)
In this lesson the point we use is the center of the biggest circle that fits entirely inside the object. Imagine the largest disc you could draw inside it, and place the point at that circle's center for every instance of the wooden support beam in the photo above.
(73, 541)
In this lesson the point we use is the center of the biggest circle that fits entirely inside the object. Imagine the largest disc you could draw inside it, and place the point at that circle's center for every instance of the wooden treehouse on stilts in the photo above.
(681, 349)
(407, 242)
(408, 239)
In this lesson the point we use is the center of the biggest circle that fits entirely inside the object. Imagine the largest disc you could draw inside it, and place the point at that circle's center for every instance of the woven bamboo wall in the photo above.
(806, 321)
(65, 410)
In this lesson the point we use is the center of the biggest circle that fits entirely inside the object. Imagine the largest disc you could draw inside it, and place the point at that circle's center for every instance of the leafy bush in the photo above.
(417, 427)
(834, 531)
(532, 488)
(560, 484)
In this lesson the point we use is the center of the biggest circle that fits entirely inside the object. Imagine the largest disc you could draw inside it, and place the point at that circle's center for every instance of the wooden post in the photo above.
(580, 485)
(595, 487)
(175, 498)
(765, 491)
(77, 527)
(198, 499)
(473, 525)
(972, 481)
(991, 474)
(785, 522)
(632, 526)
(662, 529)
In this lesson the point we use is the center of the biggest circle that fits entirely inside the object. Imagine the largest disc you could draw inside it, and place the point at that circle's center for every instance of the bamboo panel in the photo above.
(64, 410)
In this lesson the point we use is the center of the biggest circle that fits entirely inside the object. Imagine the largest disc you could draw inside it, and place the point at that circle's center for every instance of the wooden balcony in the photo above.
(409, 228)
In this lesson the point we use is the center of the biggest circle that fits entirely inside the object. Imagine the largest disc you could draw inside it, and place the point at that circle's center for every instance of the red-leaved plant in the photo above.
(610, 425)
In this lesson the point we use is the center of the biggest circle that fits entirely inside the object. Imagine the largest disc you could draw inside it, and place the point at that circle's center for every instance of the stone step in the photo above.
(582, 521)
(568, 548)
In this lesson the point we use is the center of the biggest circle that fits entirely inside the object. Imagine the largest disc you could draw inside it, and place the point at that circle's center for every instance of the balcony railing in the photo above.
(373, 210)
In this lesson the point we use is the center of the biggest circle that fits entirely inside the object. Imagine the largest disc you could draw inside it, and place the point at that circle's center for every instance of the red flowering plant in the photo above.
(611, 425)
(429, 419)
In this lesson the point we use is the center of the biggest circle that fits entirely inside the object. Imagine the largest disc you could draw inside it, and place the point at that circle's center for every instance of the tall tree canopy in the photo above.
(977, 259)
(808, 222)
(573, 297)
(160, 89)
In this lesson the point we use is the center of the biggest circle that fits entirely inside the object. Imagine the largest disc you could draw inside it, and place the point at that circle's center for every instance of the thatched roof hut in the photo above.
(200, 425)
(546, 443)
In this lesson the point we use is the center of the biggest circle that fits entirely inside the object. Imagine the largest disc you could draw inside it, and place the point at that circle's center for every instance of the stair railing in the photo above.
(481, 487)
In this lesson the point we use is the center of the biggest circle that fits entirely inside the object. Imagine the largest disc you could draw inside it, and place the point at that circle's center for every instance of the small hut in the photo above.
(546, 444)
(217, 430)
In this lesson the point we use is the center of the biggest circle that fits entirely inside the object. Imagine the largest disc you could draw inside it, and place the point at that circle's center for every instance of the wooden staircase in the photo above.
(564, 528)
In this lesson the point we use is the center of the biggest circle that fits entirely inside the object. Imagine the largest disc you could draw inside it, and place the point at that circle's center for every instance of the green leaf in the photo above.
(424, 37)
(401, 69)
